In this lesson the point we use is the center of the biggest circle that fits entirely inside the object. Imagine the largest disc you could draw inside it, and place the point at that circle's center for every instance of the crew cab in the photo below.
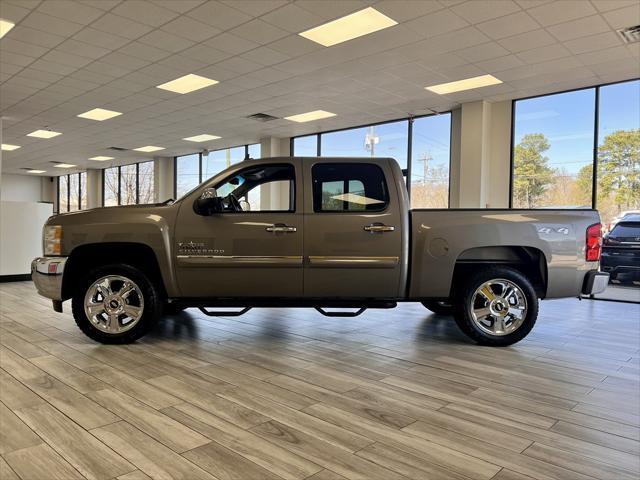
(314, 232)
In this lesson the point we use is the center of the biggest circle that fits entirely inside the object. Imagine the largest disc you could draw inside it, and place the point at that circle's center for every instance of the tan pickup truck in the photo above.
(314, 232)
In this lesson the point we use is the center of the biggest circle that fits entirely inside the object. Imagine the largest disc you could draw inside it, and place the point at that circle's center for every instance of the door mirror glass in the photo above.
(208, 203)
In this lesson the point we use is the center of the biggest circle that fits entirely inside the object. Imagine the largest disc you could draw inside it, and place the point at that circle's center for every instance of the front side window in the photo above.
(268, 188)
(346, 187)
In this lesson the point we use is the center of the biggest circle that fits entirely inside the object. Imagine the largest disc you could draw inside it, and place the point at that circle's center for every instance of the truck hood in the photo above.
(108, 214)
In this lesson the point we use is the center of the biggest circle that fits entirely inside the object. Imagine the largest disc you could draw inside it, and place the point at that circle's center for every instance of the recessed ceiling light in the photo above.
(310, 116)
(5, 26)
(148, 148)
(349, 27)
(201, 138)
(7, 147)
(43, 134)
(188, 83)
(99, 114)
(466, 84)
(64, 165)
(101, 158)
(35, 171)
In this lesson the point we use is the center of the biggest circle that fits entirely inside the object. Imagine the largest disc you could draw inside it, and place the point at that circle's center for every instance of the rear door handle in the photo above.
(281, 228)
(378, 228)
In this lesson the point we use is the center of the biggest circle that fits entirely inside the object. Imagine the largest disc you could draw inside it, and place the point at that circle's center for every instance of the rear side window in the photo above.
(626, 229)
(349, 187)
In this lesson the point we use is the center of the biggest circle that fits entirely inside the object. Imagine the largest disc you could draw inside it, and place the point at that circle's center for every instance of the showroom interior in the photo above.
(511, 112)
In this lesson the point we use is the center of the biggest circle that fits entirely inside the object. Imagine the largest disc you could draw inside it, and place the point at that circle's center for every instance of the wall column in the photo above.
(94, 188)
(163, 173)
(274, 195)
(480, 155)
(275, 147)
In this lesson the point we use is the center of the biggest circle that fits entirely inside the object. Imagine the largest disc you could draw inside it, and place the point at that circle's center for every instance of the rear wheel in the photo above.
(115, 304)
(438, 307)
(497, 306)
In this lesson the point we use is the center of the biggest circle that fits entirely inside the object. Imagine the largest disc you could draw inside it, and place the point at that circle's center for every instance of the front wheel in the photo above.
(497, 306)
(115, 304)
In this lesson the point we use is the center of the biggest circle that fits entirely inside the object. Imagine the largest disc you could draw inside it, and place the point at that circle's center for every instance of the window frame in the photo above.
(200, 180)
(316, 208)
(409, 121)
(79, 192)
(595, 147)
(119, 183)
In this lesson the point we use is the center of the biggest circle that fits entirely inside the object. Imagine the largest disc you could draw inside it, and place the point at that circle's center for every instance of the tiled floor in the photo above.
(289, 394)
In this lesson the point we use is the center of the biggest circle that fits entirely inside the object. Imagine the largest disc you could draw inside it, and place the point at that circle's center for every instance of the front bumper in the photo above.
(595, 282)
(46, 273)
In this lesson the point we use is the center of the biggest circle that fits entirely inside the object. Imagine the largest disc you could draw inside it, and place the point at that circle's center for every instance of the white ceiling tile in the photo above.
(481, 52)
(476, 11)
(436, 23)
(294, 45)
(49, 24)
(624, 17)
(16, 59)
(37, 37)
(190, 29)
(219, 15)
(166, 41)
(593, 42)
(561, 11)
(541, 54)
(606, 5)
(255, 7)
(603, 56)
(71, 10)
(259, 32)
(104, 5)
(508, 26)
(144, 52)
(145, 12)
(13, 12)
(528, 40)
(64, 58)
(499, 64)
(231, 44)
(53, 67)
(579, 28)
(265, 56)
(332, 9)
(182, 63)
(179, 6)
(204, 54)
(121, 26)
(404, 10)
(293, 18)
(83, 49)
(100, 39)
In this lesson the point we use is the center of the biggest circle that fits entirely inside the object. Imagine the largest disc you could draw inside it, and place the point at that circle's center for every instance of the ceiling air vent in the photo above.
(262, 117)
(630, 34)
(118, 149)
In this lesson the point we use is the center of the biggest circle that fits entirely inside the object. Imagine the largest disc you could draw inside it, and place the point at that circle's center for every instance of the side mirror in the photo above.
(208, 203)
(246, 206)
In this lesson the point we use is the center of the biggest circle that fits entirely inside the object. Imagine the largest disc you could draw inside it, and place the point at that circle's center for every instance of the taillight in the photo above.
(594, 242)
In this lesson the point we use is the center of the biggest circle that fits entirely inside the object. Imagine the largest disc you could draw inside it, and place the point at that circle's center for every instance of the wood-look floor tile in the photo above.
(40, 462)
(14, 434)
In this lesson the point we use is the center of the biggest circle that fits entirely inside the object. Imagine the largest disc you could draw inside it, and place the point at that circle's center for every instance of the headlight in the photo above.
(52, 239)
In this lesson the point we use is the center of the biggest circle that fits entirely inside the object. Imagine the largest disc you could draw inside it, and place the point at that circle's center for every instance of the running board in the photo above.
(224, 313)
(341, 314)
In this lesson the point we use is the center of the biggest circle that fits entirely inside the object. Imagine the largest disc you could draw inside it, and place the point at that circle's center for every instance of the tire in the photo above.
(514, 321)
(439, 308)
(110, 323)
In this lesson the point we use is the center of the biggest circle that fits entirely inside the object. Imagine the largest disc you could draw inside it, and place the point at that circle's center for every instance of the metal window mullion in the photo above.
(409, 154)
(137, 183)
(319, 145)
(119, 186)
(200, 168)
(79, 191)
(68, 193)
(596, 128)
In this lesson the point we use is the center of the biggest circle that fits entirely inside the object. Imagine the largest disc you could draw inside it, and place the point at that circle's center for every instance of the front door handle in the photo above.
(281, 228)
(379, 228)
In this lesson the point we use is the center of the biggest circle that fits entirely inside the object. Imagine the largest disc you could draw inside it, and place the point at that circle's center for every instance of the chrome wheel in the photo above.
(114, 304)
(498, 307)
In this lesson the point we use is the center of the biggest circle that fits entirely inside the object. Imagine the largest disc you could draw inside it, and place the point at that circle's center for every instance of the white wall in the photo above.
(21, 188)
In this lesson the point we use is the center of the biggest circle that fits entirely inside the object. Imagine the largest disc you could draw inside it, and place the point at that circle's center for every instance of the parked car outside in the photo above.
(621, 249)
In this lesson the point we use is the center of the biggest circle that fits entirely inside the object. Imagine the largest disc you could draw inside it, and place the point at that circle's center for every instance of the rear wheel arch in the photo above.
(529, 261)
(86, 257)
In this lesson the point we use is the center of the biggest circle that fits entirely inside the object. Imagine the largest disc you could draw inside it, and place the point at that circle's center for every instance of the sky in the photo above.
(567, 120)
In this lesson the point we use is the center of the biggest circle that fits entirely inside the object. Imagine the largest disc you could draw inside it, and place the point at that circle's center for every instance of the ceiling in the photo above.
(65, 57)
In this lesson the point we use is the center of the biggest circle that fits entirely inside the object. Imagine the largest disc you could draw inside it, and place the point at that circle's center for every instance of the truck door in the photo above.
(253, 246)
(353, 229)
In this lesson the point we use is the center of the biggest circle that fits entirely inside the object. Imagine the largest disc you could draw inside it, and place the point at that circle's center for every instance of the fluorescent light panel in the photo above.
(148, 148)
(201, 138)
(101, 158)
(5, 26)
(188, 83)
(99, 114)
(310, 116)
(349, 27)
(43, 134)
(466, 84)
(64, 165)
(7, 147)
(36, 171)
